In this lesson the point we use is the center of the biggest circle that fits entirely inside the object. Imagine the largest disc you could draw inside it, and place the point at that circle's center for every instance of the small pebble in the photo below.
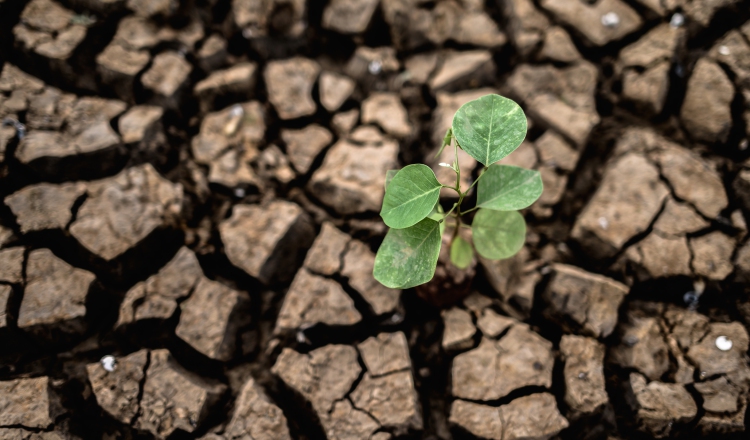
(237, 110)
(396, 318)
(424, 372)
(724, 50)
(582, 375)
(603, 222)
(691, 299)
(677, 20)
(375, 67)
(109, 363)
(239, 193)
(610, 20)
(679, 70)
(743, 145)
(247, 33)
(723, 343)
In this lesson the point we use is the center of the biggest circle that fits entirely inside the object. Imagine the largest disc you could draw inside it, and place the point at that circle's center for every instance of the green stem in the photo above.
(472, 209)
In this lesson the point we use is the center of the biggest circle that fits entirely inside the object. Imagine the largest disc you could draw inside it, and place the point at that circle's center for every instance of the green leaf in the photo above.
(461, 253)
(408, 257)
(489, 128)
(389, 176)
(498, 234)
(508, 188)
(410, 196)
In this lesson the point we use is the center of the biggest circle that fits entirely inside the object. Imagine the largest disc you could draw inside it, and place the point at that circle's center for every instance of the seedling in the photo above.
(488, 129)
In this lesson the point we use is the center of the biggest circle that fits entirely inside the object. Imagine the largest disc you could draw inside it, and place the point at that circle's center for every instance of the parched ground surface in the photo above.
(188, 219)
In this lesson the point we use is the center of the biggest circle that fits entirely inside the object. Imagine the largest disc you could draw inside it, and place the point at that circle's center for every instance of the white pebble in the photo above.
(237, 110)
(603, 222)
(109, 362)
(724, 50)
(247, 33)
(610, 19)
(375, 67)
(239, 193)
(677, 20)
(723, 343)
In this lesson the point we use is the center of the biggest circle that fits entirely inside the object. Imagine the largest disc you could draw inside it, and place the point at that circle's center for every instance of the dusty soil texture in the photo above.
(189, 197)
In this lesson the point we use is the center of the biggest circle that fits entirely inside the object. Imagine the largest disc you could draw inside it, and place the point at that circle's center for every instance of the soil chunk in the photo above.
(535, 416)
(255, 415)
(55, 295)
(385, 353)
(44, 206)
(156, 298)
(706, 111)
(583, 301)
(265, 241)
(491, 324)
(711, 360)
(659, 405)
(359, 262)
(558, 46)
(11, 264)
(642, 347)
(173, 398)
(589, 19)
(168, 75)
(311, 300)
(324, 256)
(351, 177)
(238, 81)
(386, 110)
(617, 213)
(349, 16)
(391, 399)
(459, 68)
(289, 83)
(584, 375)
(5, 313)
(209, 320)
(123, 210)
(118, 391)
(458, 329)
(526, 25)
(304, 145)
(30, 403)
(712, 255)
(496, 368)
(334, 90)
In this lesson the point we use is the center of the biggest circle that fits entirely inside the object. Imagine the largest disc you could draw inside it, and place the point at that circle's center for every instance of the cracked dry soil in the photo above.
(188, 218)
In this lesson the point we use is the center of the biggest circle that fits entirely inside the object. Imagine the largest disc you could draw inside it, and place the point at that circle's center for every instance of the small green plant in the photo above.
(488, 129)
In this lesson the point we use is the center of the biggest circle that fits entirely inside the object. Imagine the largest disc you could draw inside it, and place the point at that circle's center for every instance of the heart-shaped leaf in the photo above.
(408, 257)
(508, 188)
(489, 128)
(410, 196)
(498, 234)
(461, 253)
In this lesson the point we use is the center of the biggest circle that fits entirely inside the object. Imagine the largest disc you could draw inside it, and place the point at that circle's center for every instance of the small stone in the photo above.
(156, 298)
(30, 403)
(648, 89)
(169, 73)
(256, 416)
(334, 90)
(347, 422)
(54, 296)
(558, 46)
(117, 383)
(584, 301)
(460, 68)
(5, 293)
(712, 255)
(659, 44)
(661, 256)
(289, 84)
(496, 368)
(351, 177)
(11, 264)
(534, 417)
(526, 24)
(628, 210)
(585, 391)
(44, 206)
(119, 66)
(386, 110)
(493, 325)
(643, 347)
(312, 300)
(478, 29)
(616, 18)
(719, 395)
(139, 123)
(240, 126)
(173, 398)
(723, 344)
(458, 329)
(210, 319)
(555, 151)
(303, 146)
(677, 20)
(385, 353)
(706, 111)
(364, 57)
(349, 16)
(420, 67)
(213, 53)
(660, 405)
(359, 261)
(265, 241)
(711, 360)
(123, 210)
(342, 123)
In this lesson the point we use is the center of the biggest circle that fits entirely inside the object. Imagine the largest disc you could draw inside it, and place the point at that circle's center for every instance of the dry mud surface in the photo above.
(188, 219)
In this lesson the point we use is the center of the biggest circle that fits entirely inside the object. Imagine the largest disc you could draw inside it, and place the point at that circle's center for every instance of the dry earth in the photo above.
(188, 219)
